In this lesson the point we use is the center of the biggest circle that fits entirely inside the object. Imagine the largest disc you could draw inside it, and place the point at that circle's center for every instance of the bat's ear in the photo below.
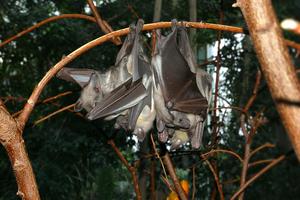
(94, 83)
(78, 106)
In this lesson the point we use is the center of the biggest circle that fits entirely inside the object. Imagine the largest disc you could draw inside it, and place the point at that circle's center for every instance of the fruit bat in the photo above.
(142, 114)
(181, 91)
(115, 89)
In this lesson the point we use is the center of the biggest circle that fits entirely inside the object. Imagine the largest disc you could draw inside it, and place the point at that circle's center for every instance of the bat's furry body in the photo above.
(181, 91)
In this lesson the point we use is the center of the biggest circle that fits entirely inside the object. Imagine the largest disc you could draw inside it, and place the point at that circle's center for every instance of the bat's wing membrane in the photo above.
(76, 75)
(122, 98)
(178, 82)
(141, 70)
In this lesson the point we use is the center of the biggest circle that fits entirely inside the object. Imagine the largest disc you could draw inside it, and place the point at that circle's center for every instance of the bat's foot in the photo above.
(140, 133)
(163, 136)
(170, 105)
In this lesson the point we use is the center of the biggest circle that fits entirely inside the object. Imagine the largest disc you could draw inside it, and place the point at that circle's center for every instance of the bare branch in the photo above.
(54, 113)
(11, 139)
(276, 64)
(251, 180)
(104, 26)
(50, 19)
(168, 163)
(260, 162)
(224, 151)
(216, 177)
(267, 145)
(130, 168)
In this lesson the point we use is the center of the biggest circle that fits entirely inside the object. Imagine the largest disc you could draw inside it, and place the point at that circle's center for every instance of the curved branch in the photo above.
(223, 151)
(23, 117)
(46, 21)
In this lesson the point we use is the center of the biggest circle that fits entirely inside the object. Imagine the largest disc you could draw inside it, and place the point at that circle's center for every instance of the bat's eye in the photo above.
(96, 89)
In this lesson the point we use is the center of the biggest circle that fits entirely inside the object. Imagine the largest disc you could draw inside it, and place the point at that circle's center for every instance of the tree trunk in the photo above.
(157, 10)
(276, 64)
(193, 18)
(11, 139)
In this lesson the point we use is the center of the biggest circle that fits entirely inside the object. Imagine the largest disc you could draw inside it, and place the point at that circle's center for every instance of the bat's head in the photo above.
(90, 94)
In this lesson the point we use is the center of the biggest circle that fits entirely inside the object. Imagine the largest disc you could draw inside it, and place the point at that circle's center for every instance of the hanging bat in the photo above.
(98, 87)
(181, 91)
(142, 114)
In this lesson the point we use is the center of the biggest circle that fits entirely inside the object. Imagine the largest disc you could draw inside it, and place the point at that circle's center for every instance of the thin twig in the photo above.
(248, 136)
(194, 182)
(218, 67)
(50, 19)
(166, 181)
(216, 177)
(169, 166)
(54, 113)
(213, 151)
(251, 180)
(47, 100)
(130, 168)
(267, 145)
(260, 162)
(152, 180)
(254, 93)
(104, 26)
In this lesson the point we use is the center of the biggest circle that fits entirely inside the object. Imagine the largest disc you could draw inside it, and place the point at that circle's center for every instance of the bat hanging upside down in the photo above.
(181, 90)
(172, 89)
(124, 91)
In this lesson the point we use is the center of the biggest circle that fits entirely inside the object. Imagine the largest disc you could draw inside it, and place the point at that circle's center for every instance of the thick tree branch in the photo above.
(276, 64)
(11, 139)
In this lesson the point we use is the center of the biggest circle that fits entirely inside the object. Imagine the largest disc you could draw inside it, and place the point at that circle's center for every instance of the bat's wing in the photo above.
(122, 98)
(204, 83)
(140, 70)
(76, 75)
(135, 111)
(177, 81)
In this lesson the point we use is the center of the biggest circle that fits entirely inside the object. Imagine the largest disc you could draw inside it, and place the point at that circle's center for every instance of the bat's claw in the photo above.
(140, 133)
